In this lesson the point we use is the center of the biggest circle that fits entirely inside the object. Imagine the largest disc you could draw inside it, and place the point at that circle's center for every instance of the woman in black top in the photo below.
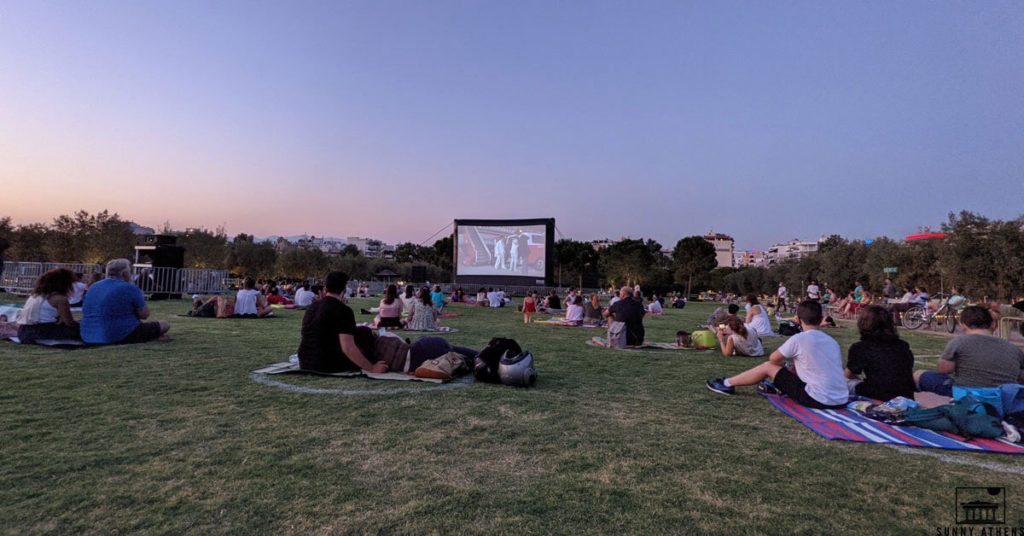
(881, 357)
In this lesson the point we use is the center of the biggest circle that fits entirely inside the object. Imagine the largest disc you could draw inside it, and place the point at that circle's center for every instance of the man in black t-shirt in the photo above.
(328, 333)
(631, 312)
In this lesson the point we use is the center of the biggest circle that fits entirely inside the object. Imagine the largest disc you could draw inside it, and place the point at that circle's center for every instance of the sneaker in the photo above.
(768, 388)
(718, 386)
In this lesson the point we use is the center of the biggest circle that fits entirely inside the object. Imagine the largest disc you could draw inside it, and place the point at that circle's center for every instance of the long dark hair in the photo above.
(875, 323)
(409, 291)
(390, 294)
(425, 297)
(752, 299)
(56, 281)
(736, 325)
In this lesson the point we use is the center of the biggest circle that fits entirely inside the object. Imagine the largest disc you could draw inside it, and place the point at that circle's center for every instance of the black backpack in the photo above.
(788, 329)
(485, 366)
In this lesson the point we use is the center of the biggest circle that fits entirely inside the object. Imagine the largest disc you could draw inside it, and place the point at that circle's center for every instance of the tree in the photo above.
(351, 250)
(572, 259)
(443, 250)
(301, 263)
(628, 262)
(248, 258)
(204, 249)
(693, 256)
(409, 252)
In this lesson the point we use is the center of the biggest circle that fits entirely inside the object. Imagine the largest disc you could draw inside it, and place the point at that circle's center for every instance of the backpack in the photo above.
(788, 329)
(967, 416)
(485, 366)
(617, 335)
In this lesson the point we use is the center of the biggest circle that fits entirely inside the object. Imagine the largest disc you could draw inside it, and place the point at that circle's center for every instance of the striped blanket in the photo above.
(847, 425)
(440, 329)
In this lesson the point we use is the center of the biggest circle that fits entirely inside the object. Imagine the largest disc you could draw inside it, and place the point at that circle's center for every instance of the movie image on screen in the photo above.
(502, 251)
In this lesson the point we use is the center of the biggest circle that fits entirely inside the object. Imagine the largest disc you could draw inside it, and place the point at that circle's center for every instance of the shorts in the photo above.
(144, 332)
(792, 386)
(935, 382)
(389, 322)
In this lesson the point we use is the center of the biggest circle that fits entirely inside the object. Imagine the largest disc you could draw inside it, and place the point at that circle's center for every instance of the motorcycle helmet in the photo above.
(517, 369)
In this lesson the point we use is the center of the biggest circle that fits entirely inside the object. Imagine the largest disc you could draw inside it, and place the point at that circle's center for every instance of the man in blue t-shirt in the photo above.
(114, 309)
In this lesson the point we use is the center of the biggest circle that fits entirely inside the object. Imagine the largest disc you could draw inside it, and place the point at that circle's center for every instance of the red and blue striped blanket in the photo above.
(847, 425)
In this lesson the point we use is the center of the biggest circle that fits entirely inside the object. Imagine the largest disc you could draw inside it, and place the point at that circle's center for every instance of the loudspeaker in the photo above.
(419, 274)
(163, 257)
(156, 240)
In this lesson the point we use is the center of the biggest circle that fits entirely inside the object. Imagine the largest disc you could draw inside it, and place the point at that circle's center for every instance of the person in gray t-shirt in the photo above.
(976, 359)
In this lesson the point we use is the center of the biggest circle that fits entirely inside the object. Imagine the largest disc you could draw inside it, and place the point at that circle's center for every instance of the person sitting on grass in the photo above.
(389, 314)
(574, 311)
(718, 317)
(757, 317)
(631, 313)
(276, 298)
(249, 302)
(304, 297)
(423, 316)
(654, 306)
(481, 297)
(114, 310)
(592, 310)
(736, 339)
(552, 302)
(328, 334)
(976, 359)
(815, 377)
(47, 312)
(437, 297)
(884, 359)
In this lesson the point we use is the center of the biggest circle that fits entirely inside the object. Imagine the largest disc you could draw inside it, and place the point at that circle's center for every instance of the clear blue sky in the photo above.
(763, 120)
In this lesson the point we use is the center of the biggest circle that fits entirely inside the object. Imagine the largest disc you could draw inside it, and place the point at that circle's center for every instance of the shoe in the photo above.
(718, 386)
(768, 388)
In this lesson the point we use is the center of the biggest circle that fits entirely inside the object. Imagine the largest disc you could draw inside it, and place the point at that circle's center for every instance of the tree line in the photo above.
(97, 238)
(983, 257)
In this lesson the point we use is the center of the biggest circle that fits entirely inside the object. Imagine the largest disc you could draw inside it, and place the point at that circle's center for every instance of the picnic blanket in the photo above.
(52, 342)
(848, 425)
(555, 321)
(603, 343)
(440, 329)
(289, 367)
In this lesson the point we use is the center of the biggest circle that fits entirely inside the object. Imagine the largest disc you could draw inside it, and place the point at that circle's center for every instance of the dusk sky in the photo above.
(763, 120)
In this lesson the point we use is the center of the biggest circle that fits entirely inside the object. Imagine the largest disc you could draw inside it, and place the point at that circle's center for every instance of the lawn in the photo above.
(175, 437)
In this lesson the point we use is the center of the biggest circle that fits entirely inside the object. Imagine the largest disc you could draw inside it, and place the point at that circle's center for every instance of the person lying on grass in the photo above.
(976, 359)
(814, 378)
(738, 339)
(328, 333)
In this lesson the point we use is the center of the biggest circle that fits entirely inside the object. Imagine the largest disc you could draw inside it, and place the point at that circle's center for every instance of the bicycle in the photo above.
(919, 315)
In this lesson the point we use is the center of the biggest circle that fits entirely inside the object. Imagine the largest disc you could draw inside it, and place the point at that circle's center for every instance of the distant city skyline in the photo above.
(657, 119)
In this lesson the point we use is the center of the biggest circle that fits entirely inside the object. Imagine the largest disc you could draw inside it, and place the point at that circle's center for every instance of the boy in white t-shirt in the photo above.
(814, 379)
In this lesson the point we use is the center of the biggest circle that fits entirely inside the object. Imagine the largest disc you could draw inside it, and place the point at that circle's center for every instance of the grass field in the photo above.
(176, 438)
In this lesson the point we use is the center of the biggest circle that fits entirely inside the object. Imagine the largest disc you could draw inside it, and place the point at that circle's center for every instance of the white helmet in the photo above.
(517, 369)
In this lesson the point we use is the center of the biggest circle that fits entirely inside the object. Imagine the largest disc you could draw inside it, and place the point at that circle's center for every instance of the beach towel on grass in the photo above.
(847, 425)
(293, 368)
(603, 343)
(440, 329)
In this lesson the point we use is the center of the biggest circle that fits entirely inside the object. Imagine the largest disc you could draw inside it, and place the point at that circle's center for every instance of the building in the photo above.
(601, 243)
(369, 247)
(794, 249)
(748, 259)
(723, 248)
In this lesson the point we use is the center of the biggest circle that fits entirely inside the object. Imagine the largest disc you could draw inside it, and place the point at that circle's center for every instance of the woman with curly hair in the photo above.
(47, 313)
